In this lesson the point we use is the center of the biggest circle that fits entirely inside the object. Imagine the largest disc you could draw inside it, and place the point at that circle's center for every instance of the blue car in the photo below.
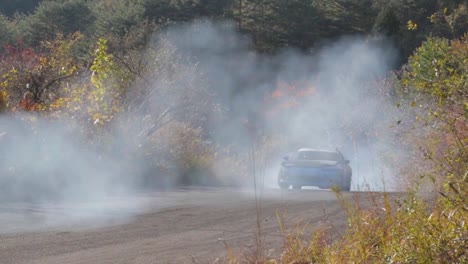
(311, 167)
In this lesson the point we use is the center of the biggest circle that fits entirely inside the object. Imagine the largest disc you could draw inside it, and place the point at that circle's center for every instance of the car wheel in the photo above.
(283, 186)
(346, 187)
(297, 187)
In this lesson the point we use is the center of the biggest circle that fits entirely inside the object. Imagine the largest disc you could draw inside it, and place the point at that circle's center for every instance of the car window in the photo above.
(318, 155)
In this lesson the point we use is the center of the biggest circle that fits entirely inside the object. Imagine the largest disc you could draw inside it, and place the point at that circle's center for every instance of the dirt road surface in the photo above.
(183, 226)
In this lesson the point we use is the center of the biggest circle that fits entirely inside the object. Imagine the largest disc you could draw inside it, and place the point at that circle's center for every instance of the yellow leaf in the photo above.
(411, 25)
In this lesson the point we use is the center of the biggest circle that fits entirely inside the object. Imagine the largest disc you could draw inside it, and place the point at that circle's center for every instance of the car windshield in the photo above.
(318, 155)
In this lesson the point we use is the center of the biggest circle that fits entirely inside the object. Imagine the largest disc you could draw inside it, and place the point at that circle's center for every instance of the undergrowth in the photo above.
(382, 229)
(409, 230)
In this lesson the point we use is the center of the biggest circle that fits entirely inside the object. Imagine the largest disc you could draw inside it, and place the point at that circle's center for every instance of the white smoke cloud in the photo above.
(43, 160)
(346, 107)
(48, 164)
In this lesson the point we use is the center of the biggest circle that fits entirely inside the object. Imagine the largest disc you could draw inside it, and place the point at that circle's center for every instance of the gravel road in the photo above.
(182, 226)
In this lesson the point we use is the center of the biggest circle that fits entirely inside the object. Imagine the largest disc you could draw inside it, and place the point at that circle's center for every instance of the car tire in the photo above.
(346, 187)
(283, 186)
(297, 187)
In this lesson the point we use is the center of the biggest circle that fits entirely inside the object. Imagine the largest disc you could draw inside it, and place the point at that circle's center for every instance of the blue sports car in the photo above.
(311, 167)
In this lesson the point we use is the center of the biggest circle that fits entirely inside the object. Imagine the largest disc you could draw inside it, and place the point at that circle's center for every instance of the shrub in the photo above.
(412, 230)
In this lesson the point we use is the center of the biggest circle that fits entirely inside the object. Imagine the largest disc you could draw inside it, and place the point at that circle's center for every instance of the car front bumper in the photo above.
(311, 177)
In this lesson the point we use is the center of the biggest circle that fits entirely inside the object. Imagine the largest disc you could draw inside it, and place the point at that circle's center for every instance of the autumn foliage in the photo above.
(286, 97)
(164, 104)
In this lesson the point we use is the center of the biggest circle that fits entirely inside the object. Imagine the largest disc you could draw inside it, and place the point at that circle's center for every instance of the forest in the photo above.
(188, 91)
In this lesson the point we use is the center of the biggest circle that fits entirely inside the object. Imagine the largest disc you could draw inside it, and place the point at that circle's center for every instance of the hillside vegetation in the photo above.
(133, 81)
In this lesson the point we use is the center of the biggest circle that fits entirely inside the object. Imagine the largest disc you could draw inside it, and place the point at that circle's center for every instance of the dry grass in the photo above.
(410, 229)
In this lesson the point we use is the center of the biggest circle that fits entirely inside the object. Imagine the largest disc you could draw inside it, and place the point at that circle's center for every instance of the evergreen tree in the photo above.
(55, 17)
(10, 7)
(387, 22)
(5, 31)
(117, 17)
